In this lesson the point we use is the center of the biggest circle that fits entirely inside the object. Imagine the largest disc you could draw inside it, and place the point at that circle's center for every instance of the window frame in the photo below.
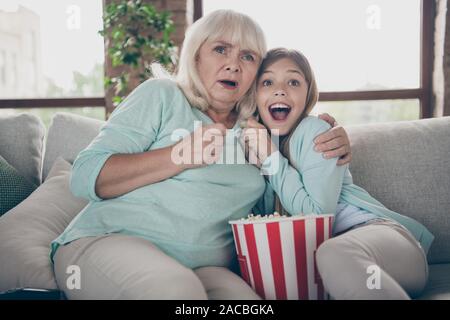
(63, 102)
(423, 93)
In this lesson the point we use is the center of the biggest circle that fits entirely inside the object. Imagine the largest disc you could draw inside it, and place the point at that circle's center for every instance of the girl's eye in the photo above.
(220, 49)
(294, 83)
(248, 57)
(267, 83)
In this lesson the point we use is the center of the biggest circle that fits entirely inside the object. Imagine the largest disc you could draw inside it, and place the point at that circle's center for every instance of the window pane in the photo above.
(51, 48)
(358, 112)
(46, 114)
(351, 44)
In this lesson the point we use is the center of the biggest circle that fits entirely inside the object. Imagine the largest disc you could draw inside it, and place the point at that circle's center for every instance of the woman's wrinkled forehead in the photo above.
(238, 36)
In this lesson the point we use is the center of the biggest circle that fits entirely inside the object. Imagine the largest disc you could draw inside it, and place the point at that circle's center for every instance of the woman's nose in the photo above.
(232, 68)
(233, 63)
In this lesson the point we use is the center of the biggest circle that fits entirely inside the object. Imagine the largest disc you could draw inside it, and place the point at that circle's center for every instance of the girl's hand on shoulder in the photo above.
(334, 143)
(257, 141)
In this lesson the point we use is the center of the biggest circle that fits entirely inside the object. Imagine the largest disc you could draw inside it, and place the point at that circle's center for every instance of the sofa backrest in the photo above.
(68, 134)
(406, 166)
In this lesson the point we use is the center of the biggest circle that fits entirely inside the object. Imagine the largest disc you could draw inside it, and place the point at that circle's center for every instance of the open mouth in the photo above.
(279, 111)
(229, 84)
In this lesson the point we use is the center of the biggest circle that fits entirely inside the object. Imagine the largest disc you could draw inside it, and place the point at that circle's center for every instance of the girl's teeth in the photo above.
(279, 106)
(279, 111)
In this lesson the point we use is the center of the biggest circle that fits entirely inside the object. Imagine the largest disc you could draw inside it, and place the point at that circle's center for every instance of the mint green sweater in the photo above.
(315, 185)
(186, 216)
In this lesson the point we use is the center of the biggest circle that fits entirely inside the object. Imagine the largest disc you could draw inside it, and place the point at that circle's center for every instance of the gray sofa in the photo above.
(405, 165)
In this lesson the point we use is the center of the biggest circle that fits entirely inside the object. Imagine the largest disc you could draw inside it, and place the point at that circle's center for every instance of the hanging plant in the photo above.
(138, 35)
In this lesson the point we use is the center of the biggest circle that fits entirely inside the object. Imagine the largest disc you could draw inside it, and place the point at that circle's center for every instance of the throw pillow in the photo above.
(21, 143)
(68, 134)
(14, 188)
(28, 229)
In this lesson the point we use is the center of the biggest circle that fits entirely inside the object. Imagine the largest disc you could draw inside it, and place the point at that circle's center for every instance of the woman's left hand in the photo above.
(257, 141)
(334, 143)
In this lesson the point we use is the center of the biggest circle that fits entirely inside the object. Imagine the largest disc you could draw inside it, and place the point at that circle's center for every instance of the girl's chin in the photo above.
(277, 128)
(277, 131)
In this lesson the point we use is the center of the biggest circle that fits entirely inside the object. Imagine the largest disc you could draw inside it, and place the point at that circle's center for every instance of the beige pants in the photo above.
(376, 260)
(118, 266)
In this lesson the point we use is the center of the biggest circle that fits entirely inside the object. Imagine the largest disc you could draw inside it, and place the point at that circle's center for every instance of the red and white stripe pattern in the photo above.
(277, 256)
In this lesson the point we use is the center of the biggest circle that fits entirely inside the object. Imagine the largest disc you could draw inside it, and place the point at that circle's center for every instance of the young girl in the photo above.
(366, 234)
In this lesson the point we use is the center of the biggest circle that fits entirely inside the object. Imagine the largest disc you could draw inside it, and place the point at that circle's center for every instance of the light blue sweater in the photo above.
(187, 215)
(316, 185)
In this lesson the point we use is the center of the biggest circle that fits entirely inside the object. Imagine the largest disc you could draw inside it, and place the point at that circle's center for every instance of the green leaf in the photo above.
(130, 58)
(107, 82)
(148, 10)
(117, 34)
(117, 100)
(137, 34)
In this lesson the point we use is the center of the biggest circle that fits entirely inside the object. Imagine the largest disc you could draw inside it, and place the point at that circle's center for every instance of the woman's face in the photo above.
(281, 96)
(226, 71)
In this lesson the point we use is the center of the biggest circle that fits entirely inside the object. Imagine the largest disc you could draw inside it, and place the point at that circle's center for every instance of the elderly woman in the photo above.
(156, 228)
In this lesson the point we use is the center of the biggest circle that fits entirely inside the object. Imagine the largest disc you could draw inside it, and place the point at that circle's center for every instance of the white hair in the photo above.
(242, 31)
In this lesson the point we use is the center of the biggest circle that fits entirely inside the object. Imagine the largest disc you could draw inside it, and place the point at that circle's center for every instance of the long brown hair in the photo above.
(312, 95)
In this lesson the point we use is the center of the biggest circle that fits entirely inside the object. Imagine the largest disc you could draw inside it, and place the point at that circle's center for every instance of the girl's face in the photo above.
(281, 96)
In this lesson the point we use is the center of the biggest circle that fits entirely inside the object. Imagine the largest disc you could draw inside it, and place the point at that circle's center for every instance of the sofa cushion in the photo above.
(21, 141)
(27, 230)
(68, 134)
(14, 188)
(406, 166)
(438, 286)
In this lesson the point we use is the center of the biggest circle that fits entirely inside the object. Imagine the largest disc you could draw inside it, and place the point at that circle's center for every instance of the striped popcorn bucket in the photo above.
(277, 256)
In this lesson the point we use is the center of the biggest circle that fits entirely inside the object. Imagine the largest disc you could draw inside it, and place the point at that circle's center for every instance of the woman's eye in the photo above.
(248, 57)
(220, 49)
(266, 83)
(294, 83)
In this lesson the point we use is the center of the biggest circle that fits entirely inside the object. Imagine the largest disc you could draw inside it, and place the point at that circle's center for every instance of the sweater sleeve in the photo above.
(132, 128)
(265, 204)
(313, 184)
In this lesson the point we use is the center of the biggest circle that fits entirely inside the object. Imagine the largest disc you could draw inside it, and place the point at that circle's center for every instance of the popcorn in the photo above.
(276, 254)
(252, 217)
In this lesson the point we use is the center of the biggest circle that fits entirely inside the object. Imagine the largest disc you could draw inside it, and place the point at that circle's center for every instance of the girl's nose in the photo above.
(280, 93)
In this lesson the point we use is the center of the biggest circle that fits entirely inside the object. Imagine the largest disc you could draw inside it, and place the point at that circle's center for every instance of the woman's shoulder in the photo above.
(164, 92)
(150, 98)
(160, 86)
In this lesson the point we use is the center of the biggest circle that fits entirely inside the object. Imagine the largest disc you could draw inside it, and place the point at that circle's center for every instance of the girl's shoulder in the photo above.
(301, 145)
(309, 128)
